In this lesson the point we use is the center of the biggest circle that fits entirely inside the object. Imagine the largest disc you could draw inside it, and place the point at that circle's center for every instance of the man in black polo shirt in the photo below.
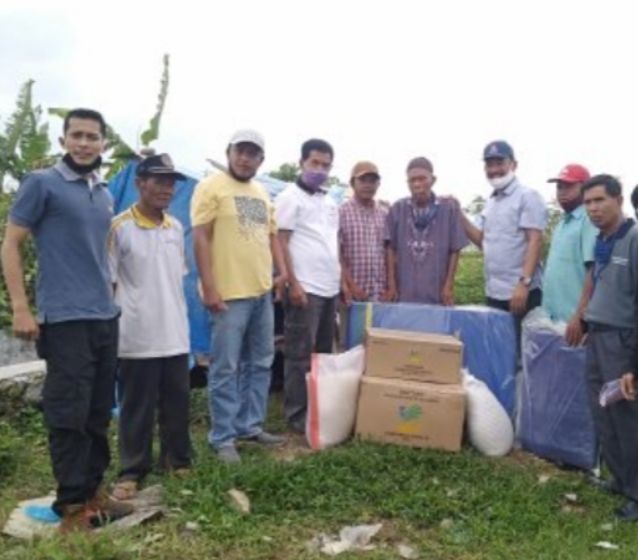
(611, 318)
(67, 209)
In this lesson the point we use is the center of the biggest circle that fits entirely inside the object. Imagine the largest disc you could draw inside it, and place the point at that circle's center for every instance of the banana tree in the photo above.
(120, 152)
(25, 143)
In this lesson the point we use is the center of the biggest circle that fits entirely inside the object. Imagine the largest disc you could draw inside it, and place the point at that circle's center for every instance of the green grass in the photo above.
(461, 506)
(469, 285)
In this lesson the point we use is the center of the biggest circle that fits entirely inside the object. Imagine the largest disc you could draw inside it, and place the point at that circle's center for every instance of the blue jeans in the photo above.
(239, 376)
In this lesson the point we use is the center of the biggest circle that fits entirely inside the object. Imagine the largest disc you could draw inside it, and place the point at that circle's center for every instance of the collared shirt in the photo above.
(362, 234)
(313, 220)
(504, 220)
(69, 217)
(148, 265)
(613, 302)
(423, 254)
(571, 249)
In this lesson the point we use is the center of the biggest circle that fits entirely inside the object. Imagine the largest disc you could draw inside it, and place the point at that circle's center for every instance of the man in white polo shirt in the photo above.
(146, 250)
(308, 222)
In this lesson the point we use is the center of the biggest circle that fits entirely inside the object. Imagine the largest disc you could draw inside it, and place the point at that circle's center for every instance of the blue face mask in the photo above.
(314, 179)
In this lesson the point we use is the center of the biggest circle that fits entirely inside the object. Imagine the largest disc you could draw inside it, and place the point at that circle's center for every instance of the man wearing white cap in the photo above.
(235, 239)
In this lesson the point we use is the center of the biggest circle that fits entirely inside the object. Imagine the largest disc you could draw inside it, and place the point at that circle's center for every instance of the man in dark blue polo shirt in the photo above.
(612, 342)
(67, 209)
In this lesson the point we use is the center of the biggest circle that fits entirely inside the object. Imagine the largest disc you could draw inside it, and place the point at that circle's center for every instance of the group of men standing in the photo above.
(110, 291)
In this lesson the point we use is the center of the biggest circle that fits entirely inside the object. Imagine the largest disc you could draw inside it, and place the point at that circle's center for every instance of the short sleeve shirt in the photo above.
(362, 235)
(148, 265)
(423, 255)
(504, 221)
(243, 220)
(313, 220)
(571, 250)
(69, 217)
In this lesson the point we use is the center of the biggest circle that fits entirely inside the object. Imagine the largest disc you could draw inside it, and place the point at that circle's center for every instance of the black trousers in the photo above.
(534, 299)
(610, 353)
(307, 329)
(78, 393)
(147, 386)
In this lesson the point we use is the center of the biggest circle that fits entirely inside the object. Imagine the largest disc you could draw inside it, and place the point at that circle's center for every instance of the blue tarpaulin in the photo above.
(555, 420)
(488, 337)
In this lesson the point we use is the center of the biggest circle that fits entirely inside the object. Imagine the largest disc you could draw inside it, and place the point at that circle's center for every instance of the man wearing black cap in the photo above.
(146, 251)
(510, 233)
(67, 209)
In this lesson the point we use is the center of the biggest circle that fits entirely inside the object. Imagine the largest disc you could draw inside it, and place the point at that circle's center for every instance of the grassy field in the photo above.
(446, 506)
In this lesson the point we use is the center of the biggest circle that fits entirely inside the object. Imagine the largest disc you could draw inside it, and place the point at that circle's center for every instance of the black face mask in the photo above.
(81, 169)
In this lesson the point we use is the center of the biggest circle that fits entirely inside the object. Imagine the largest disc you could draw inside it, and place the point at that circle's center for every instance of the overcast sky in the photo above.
(380, 80)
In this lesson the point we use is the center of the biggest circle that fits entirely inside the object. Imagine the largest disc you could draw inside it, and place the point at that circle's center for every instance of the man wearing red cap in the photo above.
(571, 253)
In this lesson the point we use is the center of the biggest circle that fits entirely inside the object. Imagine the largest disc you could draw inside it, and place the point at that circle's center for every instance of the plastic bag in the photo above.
(489, 426)
(333, 390)
(554, 415)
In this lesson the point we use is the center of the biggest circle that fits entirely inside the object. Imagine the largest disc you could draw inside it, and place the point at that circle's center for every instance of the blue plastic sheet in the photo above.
(555, 419)
(487, 334)
(124, 192)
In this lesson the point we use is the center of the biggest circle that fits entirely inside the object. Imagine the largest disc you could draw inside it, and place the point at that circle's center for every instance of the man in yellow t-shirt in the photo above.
(235, 237)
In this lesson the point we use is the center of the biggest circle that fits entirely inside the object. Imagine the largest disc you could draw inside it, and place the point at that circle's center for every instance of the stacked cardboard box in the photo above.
(411, 392)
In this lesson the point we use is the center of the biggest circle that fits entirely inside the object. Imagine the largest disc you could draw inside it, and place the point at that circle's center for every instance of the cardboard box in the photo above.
(413, 414)
(413, 356)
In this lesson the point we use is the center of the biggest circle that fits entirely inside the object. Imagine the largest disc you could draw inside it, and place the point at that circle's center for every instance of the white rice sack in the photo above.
(489, 427)
(333, 391)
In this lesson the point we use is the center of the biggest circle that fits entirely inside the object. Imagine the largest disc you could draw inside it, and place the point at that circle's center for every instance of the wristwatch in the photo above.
(526, 281)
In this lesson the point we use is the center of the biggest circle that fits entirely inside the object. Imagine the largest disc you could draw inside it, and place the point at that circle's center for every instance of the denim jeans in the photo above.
(239, 376)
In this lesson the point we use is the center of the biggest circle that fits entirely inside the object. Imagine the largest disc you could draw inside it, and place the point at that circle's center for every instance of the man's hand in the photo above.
(390, 295)
(447, 295)
(25, 325)
(518, 303)
(574, 334)
(346, 294)
(279, 285)
(357, 293)
(213, 301)
(628, 386)
(297, 295)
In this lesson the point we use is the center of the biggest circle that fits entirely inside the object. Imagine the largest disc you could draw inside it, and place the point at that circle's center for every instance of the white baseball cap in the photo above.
(250, 136)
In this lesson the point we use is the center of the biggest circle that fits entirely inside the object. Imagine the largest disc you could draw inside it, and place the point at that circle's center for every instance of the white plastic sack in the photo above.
(488, 426)
(333, 389)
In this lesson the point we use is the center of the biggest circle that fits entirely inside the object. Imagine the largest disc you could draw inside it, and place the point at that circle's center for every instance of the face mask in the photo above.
(314, 179)
(501, 182)
(81, 169)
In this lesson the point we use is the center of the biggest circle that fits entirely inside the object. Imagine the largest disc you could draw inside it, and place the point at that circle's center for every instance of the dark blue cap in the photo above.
(160, 164)
(498, 149)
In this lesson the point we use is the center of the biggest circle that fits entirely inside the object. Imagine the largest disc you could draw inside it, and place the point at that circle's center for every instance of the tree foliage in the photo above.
(287, 172)
(152, 132)
(25, 144)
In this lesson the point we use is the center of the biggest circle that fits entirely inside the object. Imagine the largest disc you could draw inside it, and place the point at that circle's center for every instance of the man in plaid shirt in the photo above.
(362, 239)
